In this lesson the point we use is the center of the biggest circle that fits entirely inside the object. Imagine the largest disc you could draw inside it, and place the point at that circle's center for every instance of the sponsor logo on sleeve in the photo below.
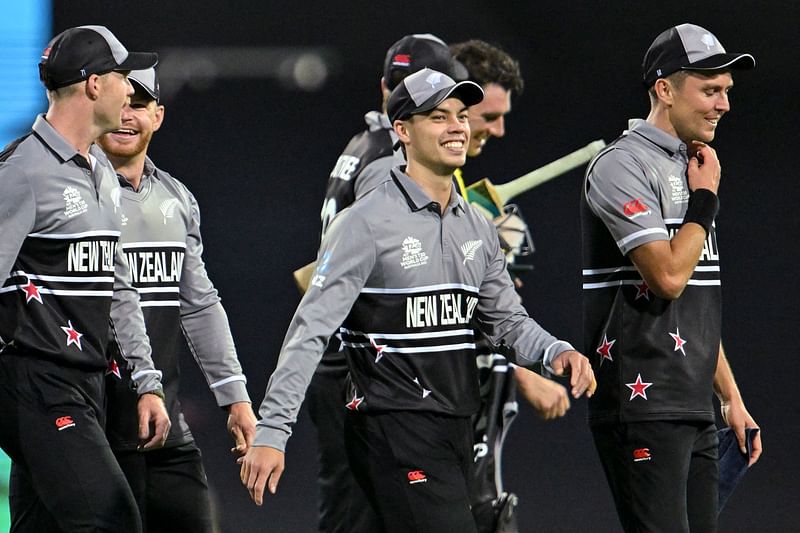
(635, 208)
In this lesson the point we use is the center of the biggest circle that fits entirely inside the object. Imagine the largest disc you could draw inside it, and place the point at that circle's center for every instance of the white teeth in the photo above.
(128, 132)
(454, 144)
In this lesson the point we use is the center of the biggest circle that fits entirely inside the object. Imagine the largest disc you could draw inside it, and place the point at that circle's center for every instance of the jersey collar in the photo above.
(657, 136)
(416, 197)
(49, 136)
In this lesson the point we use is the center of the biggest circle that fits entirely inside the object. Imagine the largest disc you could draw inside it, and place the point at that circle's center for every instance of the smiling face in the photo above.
(697, 103)
(437, 140)
(487, 118)
(140, 119)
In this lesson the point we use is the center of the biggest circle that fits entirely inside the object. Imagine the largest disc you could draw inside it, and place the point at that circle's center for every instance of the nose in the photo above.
(723, 102)
(498, 127)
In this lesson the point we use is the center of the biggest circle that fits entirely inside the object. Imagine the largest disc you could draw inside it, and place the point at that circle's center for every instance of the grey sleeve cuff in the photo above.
(269, 436)
(230, 390)
(553, 350)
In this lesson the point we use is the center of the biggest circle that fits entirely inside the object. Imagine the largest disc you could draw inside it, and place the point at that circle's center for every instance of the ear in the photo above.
(401, 129)
(159, 118)
(93, 85)
(664, 90)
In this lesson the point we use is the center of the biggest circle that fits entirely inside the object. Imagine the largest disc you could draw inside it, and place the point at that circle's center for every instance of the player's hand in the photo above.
(704, 170)
(262, 466)
(241, 426)
(550, 399)
(577, 366)
(736, 416)
(152, 412)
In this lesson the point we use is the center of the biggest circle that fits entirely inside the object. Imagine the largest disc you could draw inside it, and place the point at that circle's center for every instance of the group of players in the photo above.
(409, 339)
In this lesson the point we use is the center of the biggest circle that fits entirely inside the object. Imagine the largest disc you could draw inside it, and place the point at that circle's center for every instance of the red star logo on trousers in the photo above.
(679, 342)
(378, 349)
(642, 291)
(638, 388)
(113, 368)
(73, 337)
(605, 349)
(32, 292)
(354, 403)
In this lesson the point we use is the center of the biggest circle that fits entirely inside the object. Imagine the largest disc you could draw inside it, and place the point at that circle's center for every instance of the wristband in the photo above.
(703, 208)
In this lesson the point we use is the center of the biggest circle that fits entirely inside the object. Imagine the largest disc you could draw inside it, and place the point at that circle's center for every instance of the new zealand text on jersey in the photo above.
(439, 309)
(710, 250)
(91, 256)
(153, 266)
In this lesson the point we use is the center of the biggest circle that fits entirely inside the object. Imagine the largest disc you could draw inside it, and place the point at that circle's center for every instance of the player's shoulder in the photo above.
(170, 182)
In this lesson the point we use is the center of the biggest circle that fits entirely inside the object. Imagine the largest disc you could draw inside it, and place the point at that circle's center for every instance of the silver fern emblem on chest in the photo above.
(167, 208)
(469, 249)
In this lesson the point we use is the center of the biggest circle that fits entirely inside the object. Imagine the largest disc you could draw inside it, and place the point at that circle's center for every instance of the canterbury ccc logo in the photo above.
(416, 476)
(64, 422)
(641, 454)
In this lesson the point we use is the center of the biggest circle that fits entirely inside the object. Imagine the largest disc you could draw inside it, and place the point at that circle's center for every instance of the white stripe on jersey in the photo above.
(153, 244)
(414, 290)
(589, 271)
(146, 290)
(641, 233)
(60, 292)
(619, 282)
(404, 336)
(413, 350)
(160, 303)
(98, 233)
(67, 279)
(228, 380)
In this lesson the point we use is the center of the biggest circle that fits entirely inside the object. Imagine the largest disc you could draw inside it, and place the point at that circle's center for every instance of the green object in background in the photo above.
(5, 470)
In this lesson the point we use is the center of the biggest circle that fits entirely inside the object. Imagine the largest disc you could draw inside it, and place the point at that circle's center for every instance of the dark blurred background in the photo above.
(263, 96)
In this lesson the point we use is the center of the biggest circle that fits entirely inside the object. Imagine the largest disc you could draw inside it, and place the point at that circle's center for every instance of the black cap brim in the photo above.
(138, 61)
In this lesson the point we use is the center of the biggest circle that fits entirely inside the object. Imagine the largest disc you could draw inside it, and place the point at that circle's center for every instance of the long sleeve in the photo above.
(205, 323)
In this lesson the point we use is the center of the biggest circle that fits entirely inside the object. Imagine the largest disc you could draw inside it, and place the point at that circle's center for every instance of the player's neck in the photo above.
(437, 184)
(71, 123)
(659, 117)
(131, 168)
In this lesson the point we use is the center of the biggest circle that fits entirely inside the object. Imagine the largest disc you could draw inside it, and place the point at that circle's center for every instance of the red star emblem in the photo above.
(378, 349)
(679, 342)
(113, 368)
(354, 403)
(32, 292)
(73, 337)
(638, 388)
(605, 349)
(642, 291)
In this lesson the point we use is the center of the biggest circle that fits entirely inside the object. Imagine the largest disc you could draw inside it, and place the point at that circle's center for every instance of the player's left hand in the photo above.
(152, 412)
(241, 426)
(260, 465)
(736, 416)
(577, 366)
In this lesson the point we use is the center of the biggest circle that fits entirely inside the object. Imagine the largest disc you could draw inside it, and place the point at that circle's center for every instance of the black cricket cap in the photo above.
(414, 52)
(425, 89)
(75, 54)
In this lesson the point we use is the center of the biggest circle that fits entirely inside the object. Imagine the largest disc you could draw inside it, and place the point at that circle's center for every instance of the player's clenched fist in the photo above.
(577, 366)
(262, 466)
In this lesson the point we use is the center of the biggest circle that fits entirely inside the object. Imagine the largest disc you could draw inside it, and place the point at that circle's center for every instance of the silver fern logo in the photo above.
(168, 208)
(469, 249)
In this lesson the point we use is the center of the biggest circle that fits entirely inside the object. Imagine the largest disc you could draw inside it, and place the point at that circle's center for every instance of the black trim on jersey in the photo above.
(10, 147)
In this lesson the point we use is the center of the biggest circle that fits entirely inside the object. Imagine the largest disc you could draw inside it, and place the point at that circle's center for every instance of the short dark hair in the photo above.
(487, 63)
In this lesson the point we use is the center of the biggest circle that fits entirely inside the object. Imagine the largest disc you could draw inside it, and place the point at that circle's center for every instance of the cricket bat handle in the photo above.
(507, 191)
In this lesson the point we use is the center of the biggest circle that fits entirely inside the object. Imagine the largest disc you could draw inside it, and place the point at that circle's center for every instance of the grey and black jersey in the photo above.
(405, 282)
(364, 164)
(654, 358)
(162, 242)
(64, 275)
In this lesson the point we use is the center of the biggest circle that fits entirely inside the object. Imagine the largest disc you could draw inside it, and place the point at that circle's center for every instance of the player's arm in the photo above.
(667, 265)
(207, 331)
(505, 321)
(343, 267)
(550, 399)
(128, 331)
(732, 406)
(17, 214)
